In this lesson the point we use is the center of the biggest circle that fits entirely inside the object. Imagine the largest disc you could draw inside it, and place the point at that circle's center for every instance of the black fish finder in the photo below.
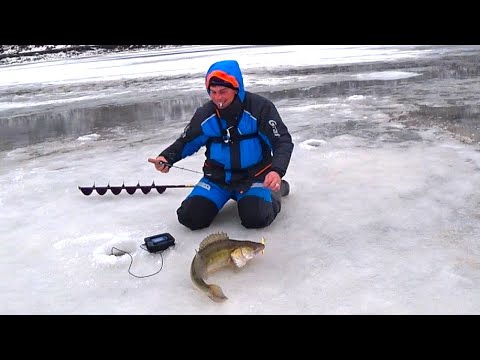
(159, 242)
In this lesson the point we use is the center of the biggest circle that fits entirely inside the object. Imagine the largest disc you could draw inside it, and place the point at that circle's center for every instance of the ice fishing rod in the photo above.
(102, 190)
(177, 167)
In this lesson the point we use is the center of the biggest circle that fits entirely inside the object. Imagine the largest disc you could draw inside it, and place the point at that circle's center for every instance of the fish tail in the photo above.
(215, 293)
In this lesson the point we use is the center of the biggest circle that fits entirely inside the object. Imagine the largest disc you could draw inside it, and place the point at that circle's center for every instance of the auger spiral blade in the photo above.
(102, 190)
(160, 189)
(86, 190)
(116, 190)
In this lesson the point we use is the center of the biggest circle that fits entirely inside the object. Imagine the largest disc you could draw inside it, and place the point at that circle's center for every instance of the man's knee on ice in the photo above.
(255, 212)
(197, 212)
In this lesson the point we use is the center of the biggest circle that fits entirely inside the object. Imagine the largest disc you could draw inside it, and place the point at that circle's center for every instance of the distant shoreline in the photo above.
(14, 54)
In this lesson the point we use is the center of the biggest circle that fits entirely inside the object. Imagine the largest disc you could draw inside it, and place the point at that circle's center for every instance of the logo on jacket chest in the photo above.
(273, 124)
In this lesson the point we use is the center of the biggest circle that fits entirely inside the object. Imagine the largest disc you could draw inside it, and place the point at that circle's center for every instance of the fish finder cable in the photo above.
(131, 262)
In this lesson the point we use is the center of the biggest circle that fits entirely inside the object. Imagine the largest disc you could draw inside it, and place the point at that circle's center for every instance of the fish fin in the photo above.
(216, 293)
(221, 236)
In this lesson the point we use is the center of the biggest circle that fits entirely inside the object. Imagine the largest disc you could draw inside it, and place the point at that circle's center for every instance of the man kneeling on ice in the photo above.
(248, 150)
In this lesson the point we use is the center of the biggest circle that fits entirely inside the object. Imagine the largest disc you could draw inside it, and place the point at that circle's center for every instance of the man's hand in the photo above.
(272, 181)
(160, 162)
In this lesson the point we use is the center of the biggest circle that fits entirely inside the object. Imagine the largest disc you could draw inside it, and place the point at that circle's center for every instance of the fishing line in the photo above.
(181, 168)
(131, 262)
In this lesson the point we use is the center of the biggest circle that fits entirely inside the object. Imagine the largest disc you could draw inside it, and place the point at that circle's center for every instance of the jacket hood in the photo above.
(229, 71)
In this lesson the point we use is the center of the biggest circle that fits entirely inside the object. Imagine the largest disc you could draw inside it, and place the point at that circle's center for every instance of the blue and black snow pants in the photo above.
(257, 206)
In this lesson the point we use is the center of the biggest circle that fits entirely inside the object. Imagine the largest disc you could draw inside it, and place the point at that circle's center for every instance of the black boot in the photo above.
(284, 188)
(284, 191)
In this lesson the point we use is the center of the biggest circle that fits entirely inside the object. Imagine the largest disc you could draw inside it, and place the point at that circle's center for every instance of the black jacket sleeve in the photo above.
(191, 139)
(272, 125)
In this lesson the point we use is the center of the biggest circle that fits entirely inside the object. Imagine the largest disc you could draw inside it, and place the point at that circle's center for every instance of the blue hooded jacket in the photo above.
(243, 142)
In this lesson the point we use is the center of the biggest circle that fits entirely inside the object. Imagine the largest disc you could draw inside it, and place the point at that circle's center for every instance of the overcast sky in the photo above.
(379, 224)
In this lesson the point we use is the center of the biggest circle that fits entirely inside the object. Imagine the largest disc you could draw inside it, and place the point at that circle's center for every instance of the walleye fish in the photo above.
(217, 251)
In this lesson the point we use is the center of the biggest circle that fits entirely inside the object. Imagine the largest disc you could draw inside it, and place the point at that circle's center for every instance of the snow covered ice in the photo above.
(382, 217)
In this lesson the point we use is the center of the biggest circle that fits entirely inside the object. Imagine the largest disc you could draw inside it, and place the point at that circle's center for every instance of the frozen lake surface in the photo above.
(383, 215)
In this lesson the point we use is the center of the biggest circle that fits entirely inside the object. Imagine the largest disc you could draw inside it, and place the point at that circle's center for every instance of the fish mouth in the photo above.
(263, 245)
(259, 249)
